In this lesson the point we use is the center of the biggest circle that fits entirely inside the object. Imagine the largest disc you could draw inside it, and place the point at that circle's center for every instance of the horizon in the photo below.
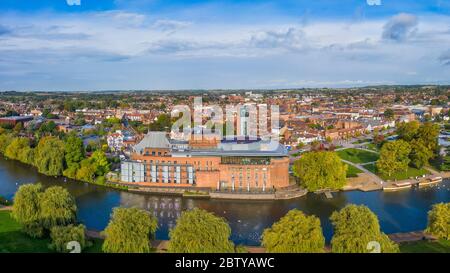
(231, 89)
(154, 45)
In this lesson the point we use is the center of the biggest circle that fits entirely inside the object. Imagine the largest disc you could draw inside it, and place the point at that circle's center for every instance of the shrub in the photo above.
(62, 235)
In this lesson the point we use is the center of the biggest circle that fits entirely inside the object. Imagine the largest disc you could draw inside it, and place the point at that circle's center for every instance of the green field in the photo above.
(373, 147)
(412, 172)
(352, 171)
(441, 246)
(13, 240)
(357, 155)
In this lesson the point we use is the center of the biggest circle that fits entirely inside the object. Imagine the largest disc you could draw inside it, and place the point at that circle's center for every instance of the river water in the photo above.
(397, 211)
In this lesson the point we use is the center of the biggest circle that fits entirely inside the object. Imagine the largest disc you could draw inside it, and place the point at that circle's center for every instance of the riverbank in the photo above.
(14, 241)
(287, 193)
(117, 187)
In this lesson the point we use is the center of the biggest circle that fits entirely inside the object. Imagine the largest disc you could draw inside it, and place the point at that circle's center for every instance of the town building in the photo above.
(224, 165)
(15, 120)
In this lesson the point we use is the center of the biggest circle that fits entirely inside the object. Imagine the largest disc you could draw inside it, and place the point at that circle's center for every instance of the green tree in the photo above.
(49, 156)
(428, 134)
(320, 170)
(420, 154)
(5, 140)
(26, 209)
(16, 146)
(62, 235)
(129, 231)
(86, 172)
(294, 233)
(74, 150)
(199, 231)
(354, 227)
(389, 114)
(18, 127)
(99, 162)
(57, 207)
(439, 221)
(394, 157)
(408, 130)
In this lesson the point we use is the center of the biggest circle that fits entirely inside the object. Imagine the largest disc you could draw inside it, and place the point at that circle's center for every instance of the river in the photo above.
(397, 211)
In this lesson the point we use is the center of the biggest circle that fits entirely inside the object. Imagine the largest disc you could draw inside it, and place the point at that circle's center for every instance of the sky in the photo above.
(82, 45)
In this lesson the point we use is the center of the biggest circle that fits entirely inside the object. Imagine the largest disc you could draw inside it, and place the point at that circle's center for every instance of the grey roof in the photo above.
(260, 148)
(153, 140)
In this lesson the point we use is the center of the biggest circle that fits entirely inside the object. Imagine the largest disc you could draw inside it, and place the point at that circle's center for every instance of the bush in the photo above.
(62, 235)
(439, 221)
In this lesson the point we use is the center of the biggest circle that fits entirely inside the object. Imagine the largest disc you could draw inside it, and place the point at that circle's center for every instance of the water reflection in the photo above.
(397, 211)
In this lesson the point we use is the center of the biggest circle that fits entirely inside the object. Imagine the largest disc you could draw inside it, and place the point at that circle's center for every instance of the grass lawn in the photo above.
(352, 171)
(373, 147)
(359, 141)
(412, 172)
(357, 155)
(13, 240)
(441, 246)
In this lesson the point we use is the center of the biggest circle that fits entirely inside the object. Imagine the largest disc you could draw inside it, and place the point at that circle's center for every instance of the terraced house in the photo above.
(224, 165)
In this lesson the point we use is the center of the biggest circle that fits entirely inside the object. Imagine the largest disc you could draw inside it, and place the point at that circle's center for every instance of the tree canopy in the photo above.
(19, 149)
(38, 210)
(294, 233)
(320, 170)
(62, 235)
(49, 156)
(199, 231)
(423, 139)
(394, 157)
(439, 221)
(74, 150)
(26, 209)
(57, 207)
(129, 231)
(354, 228)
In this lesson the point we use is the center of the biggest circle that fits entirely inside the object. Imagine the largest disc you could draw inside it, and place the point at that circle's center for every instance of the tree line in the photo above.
(417, 144)
(56, 156)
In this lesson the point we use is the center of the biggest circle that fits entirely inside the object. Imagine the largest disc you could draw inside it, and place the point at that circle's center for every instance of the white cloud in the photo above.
(400, 27)
(170, 26)
(221, 54)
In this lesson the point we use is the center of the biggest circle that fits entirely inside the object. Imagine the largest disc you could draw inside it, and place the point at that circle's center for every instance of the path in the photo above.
(358, 166)
(410, 237)
(5, 208)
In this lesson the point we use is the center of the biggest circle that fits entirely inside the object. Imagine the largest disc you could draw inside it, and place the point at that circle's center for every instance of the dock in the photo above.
(406, 184)
(328, 195)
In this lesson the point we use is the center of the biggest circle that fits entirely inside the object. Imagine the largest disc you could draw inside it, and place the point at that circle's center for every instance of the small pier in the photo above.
(406, 184)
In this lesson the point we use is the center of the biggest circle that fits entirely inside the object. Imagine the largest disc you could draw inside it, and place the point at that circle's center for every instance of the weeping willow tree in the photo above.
(58, 207)
(38, 210)
(439, 221)
(356, 230)
(199, 231)
(26, 209)
(294, 233)
(129, 231)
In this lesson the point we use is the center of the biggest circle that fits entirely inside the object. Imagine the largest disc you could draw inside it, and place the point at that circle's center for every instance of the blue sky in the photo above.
(199, 44)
